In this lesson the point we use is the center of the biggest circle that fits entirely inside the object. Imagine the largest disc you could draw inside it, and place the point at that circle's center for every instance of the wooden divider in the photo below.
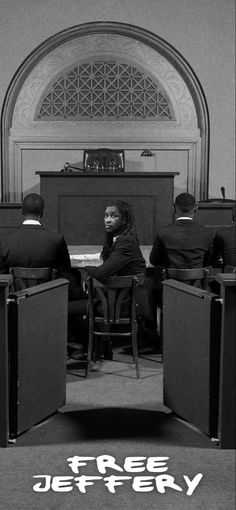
(33, 350)
(4, 404)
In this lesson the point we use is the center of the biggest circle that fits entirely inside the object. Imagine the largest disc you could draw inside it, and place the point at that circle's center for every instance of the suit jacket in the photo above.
(225, 246)
(125, 259)
(183, 244)
(34, 246)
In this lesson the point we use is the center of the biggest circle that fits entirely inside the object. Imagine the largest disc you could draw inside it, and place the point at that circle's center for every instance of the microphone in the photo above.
(222, 189)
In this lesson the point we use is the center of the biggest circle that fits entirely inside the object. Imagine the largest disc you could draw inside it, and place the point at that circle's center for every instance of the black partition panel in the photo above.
(227, 397)
(191, 354)
(5, 281)
(37, 353)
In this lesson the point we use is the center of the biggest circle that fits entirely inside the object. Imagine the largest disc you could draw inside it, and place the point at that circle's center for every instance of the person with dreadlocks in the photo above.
(121, 253)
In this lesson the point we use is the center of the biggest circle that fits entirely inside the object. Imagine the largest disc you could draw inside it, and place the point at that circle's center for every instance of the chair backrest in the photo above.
(24, 277)
(117, 297)
(229, 269)
(188, 275)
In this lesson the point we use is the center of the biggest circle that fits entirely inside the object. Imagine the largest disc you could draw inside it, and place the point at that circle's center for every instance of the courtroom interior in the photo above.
(108, 104)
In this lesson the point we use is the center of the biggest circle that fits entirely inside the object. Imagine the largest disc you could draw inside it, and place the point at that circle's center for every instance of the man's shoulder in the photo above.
(167, 228)
(124, 238)
(125, 241)
(208, 231)
(57, 236)
(188, 224)
(11, 234)
(41, 232)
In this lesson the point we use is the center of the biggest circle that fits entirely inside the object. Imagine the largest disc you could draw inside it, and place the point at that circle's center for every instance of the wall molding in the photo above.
(192, 150)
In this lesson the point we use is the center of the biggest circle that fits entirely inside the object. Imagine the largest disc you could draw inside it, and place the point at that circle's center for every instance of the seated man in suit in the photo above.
(184, 244)
(32, 245)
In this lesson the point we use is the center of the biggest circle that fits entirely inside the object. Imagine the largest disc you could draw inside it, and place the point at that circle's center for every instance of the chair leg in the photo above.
(135, 348)
(95, 348)
(107, 346)
(161, 334)
(90, 348)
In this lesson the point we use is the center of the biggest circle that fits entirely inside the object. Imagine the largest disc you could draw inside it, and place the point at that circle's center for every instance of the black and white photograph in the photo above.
(117, 255)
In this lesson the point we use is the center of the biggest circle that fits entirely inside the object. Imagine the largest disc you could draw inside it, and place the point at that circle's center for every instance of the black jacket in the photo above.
(225, 246)
(33, 246)
(183, 244)
(125, 259)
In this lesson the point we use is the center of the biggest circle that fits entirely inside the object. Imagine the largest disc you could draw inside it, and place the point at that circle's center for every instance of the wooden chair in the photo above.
(25, 277)
(117, 307)
(197, 275)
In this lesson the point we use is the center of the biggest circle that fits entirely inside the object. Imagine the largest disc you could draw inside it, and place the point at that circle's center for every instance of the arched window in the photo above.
(104, 84)
(103, 90)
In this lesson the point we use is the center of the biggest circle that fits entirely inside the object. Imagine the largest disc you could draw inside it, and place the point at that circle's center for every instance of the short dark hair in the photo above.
(33, 205)
(185, 202)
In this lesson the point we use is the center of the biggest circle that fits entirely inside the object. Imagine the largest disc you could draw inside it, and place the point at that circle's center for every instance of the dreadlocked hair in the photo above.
(129, 228)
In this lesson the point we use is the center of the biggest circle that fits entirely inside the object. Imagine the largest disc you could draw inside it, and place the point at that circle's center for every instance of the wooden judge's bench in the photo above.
(75, 202)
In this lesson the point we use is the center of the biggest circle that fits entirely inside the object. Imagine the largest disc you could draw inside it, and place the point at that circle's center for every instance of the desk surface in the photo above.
(95, 249)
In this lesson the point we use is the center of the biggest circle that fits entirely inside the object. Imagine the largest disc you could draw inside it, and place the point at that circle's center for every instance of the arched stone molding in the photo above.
(124, 43)
(101, 47)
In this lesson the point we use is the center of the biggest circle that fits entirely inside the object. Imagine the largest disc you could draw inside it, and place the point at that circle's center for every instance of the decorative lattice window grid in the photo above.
(105, 90)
